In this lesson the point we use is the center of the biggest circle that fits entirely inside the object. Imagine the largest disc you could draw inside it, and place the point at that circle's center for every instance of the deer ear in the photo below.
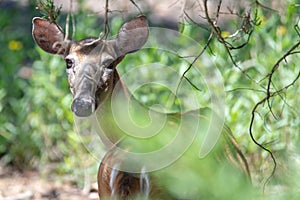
(132, 35)
(49, 36)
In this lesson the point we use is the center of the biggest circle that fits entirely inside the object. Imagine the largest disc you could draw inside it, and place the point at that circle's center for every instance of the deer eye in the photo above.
(110, 66)
(69, 63)
(108, 63)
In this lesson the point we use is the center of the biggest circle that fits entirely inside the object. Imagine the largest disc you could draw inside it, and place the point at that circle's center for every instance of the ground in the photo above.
(32, 185)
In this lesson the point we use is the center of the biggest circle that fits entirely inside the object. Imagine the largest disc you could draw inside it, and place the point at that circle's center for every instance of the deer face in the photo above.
(90, 67)
(91, 62)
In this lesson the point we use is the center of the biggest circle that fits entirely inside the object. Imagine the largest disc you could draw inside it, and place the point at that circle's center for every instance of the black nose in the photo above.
(83, 107)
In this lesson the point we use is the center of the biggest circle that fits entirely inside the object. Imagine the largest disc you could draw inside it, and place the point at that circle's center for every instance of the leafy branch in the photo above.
(246, 29)
(48, 9)
(267, 98)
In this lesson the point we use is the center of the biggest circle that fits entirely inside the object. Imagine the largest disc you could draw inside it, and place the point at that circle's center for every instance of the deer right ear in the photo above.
(49, 36)
(132, 35)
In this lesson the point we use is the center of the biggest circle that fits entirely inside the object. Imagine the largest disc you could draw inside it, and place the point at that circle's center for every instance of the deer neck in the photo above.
(115, 84)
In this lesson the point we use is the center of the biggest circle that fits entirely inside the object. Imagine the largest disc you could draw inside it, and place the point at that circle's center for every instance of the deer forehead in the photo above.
(98, 51)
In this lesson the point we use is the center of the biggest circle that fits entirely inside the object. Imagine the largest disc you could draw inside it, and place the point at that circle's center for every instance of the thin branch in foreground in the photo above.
(267, 98)
(297, 28)
(260, 145)
(137, 7)
(194, 22)
(247, 27)
(254, 110)
(217, 32)
(265, 7)
(191, 64)
(192, 84)
(276, 65)
(106, 25)
(242, 88)
(68, 22)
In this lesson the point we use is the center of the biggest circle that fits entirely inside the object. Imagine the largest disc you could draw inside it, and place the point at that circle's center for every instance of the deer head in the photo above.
(91, 62)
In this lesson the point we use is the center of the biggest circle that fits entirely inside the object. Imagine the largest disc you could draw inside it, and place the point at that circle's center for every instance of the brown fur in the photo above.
(98, 57)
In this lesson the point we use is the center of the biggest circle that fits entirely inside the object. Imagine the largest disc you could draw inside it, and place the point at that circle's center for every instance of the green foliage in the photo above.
(36, 123)
(16, 50)
(48, 9)
(276, 125)
(276, 128)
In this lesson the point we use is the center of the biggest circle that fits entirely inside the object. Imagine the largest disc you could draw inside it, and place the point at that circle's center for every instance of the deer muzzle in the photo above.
(84, 104)
(83, 107)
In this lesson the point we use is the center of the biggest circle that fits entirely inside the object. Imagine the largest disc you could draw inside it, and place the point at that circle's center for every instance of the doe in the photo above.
(91, 67)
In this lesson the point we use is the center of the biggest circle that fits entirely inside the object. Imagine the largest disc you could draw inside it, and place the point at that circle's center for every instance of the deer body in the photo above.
(92, 74)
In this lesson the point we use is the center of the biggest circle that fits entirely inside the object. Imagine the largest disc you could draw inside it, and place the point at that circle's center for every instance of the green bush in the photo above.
(36, 122)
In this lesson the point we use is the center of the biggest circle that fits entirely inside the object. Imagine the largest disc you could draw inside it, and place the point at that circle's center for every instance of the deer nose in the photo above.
(83, 107)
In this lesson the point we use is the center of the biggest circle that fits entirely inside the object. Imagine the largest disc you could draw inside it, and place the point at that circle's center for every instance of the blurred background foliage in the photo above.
(36, 122)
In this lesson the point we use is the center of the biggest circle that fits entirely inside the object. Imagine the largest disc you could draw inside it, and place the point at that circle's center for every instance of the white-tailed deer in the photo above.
(91, 68)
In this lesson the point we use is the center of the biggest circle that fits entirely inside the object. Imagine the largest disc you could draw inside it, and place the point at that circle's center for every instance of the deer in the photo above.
(91, 67)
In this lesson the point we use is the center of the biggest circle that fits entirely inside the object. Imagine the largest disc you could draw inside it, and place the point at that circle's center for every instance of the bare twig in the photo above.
(217, 33)
(264, 7)
(269, 95)
(73, 20)
(274, 68)
(276, 65)
(191, 64)
(106, 26)
(296, 27)
(67, 29)
(140, 11)
(194, 22)
(247, 28)
(250, 89)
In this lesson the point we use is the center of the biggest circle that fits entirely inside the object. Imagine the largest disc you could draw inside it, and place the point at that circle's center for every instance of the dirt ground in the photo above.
(31, 185)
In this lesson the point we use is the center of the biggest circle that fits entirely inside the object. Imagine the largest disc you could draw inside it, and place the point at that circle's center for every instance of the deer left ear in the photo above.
(132, 35)
(49, 36)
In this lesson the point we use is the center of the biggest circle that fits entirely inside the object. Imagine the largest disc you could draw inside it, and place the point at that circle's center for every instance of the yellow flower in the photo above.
(225, 34)
(15, 45)
(281, 30)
